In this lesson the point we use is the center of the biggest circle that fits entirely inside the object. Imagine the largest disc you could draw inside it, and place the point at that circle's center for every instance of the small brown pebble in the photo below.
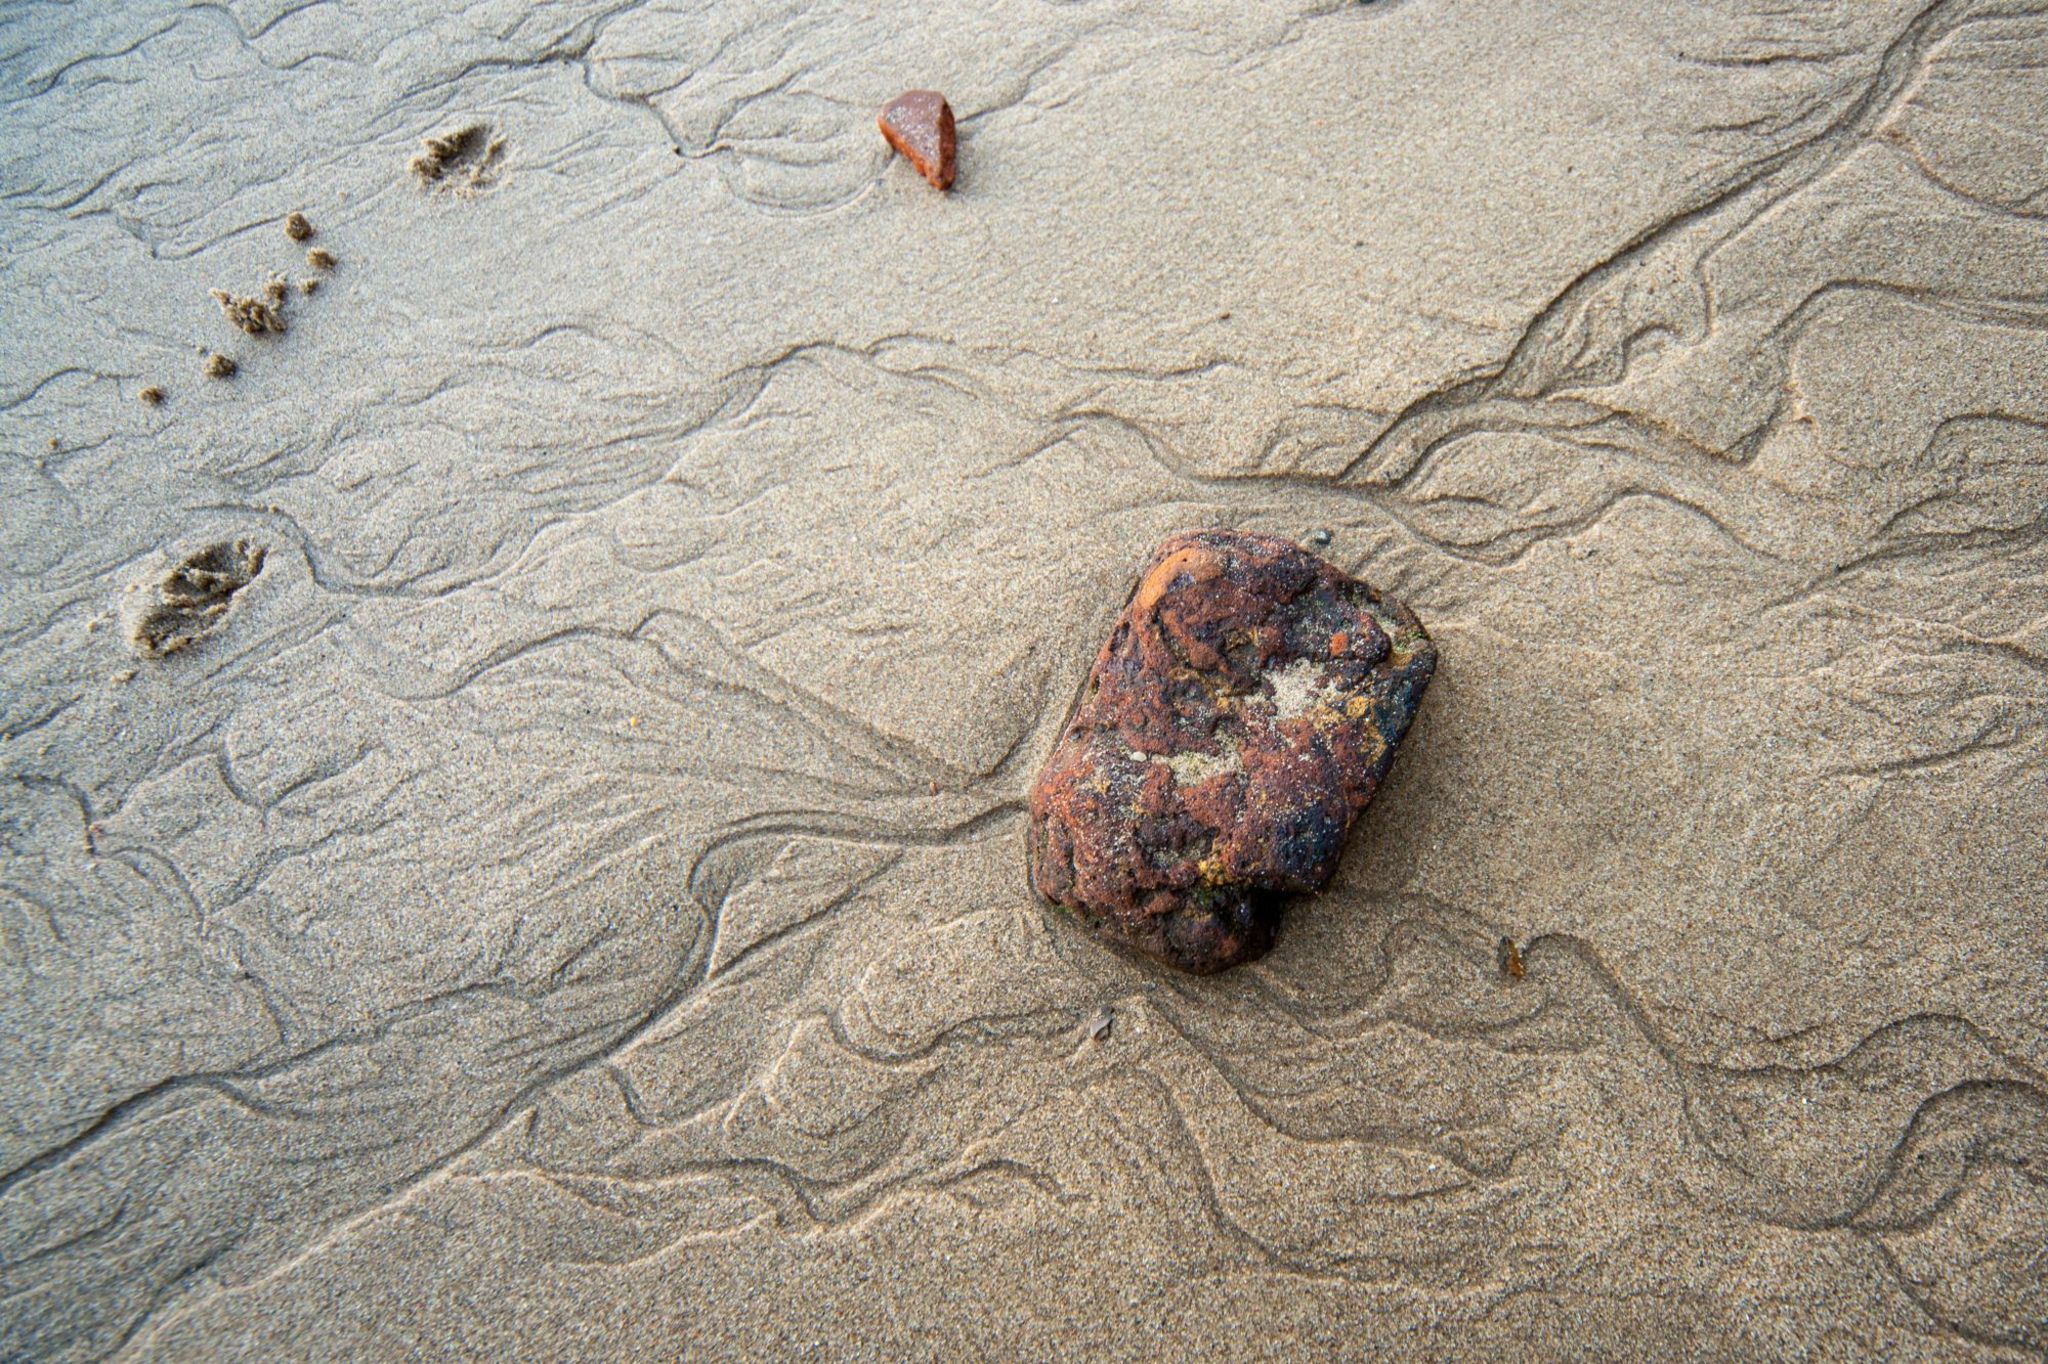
(919, 123)
(151, 395)
(218, 366)
(297, 227)
(56, 444)
(320, 258)
(1511, 960)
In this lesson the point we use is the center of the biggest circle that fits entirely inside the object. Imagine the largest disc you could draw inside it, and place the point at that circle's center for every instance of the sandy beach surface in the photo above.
(512, 801)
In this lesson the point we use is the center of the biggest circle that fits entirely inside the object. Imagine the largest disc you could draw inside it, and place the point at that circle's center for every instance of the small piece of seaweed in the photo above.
(1511, 959)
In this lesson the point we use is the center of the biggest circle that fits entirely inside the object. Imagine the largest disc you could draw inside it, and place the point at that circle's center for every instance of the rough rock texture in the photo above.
(919, 123)
(1240, 716)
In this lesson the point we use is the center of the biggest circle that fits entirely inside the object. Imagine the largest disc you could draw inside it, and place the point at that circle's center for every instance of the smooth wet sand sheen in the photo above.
(570, 903)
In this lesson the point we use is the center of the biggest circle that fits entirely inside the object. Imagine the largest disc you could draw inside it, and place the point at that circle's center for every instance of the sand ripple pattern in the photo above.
(572, 903)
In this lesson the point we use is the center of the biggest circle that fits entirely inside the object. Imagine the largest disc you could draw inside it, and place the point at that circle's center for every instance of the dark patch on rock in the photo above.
(1244, 711)
(191, 600)
(919, 123)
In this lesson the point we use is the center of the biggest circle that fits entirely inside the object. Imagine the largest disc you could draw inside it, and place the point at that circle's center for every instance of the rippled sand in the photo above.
(569, 902)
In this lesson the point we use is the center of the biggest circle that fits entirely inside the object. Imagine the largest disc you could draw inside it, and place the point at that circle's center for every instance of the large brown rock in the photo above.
(1243, 712)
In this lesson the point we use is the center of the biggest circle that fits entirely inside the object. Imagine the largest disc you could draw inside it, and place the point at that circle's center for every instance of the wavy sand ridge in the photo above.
(571, 901)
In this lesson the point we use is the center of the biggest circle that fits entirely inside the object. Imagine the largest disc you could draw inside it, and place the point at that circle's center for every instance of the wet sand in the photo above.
(568, 900)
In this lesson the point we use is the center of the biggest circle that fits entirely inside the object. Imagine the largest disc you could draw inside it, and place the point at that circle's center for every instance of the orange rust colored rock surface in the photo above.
(1244, 711)
(919, 123)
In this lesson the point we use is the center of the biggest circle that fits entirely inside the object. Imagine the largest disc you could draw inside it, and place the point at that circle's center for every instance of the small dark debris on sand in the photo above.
(307, 286)
(298, 227)
(276, 287)
(218, 366)
(255, 316)
(463, 160)
(320, 258)
(191, 600)
(1511, 960)
(919, 123)
(437, 153)
(152, 395)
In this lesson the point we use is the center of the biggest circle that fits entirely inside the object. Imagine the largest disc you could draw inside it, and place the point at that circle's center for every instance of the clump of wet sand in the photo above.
(463, 161)
(256, 316)
(190, 600)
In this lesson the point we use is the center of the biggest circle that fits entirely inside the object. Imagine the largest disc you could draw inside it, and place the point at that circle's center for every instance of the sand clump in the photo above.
(574, 904)
(263, 314)
(463, 161)
(256, 316)
(191, 599)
